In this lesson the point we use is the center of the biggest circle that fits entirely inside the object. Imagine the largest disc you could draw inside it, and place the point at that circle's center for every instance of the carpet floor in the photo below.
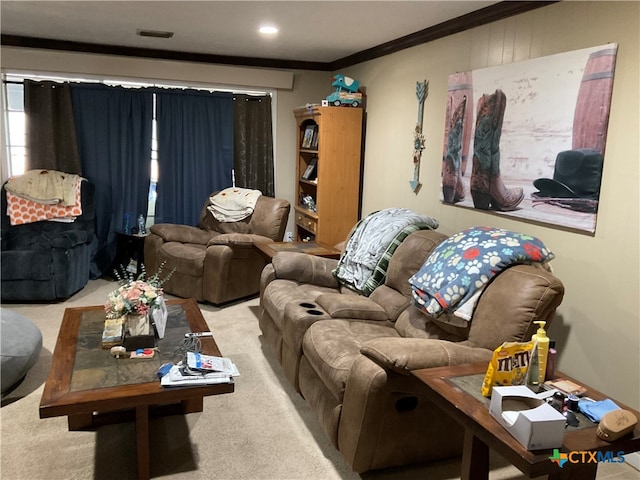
(264, 430)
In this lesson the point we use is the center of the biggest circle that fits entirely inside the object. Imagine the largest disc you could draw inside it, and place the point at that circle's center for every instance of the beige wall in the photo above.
(598, 326)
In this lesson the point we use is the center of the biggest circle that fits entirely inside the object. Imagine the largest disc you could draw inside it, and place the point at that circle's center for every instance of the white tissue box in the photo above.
(528, 417)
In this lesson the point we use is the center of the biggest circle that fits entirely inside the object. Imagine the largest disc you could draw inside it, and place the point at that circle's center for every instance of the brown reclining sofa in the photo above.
(350, 356)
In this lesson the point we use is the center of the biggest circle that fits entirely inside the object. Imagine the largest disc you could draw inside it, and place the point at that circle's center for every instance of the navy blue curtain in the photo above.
(195, 151)
(114, 130)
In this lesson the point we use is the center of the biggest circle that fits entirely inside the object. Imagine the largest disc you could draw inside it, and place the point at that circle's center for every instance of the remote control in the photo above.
(198, 334)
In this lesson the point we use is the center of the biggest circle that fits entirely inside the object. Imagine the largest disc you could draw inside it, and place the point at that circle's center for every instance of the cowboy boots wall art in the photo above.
(487, 188)
(460, 89)
(452, 187)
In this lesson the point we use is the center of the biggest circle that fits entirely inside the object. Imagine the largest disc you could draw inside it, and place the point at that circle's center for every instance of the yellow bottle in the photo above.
(542, 342)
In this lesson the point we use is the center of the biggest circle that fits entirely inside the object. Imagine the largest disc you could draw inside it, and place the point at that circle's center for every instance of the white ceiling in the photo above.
(313, 31)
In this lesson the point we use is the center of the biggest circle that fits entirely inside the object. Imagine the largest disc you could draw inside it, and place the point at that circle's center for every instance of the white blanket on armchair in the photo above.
(233, 204)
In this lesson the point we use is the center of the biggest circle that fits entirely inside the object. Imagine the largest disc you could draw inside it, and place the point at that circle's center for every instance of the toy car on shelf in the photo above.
(345, 98)
(346, 92)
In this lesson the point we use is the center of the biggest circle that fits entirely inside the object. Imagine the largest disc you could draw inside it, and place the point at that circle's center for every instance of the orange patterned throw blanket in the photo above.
(24, 206)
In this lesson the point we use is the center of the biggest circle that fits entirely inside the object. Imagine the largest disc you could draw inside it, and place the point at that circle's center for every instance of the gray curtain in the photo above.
(253, 143)
(51, 133)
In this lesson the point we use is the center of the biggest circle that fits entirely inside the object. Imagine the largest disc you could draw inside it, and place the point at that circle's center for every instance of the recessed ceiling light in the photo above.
(268, 30)
(154, 33)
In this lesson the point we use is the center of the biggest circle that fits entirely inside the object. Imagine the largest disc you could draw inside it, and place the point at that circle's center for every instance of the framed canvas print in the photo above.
(527, 139)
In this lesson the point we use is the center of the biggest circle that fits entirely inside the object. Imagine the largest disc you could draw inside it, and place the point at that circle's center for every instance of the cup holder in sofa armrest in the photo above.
(312, 308)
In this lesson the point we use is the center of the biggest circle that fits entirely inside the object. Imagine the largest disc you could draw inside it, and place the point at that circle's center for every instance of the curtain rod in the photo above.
(254, 96)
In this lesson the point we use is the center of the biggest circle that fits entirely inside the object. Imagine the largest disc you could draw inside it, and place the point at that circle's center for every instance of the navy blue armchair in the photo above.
(47, 261)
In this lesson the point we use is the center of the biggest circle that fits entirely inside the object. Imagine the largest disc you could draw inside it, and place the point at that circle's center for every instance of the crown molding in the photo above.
(471, 20)
(82, 47)
(483, 16)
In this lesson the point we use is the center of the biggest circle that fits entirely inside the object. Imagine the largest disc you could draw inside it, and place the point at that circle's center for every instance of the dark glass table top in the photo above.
(95, 367)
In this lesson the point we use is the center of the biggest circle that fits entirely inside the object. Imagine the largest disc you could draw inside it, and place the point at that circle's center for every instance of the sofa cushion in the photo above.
(263, 221)
(187, 258)
(331, 346)
(379, 273)
(305, 268)
(182, 233)
(391, 300)
(347, 306)
(413, 323)
(240, 239)
(409, 257)
(209, 222)
(511, 303)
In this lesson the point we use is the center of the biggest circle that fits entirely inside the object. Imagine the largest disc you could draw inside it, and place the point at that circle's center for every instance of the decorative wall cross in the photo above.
(422, 90)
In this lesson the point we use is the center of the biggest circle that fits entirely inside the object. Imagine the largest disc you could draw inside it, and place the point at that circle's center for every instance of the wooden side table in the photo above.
(311, 248)
(129, 247)
(456, 390)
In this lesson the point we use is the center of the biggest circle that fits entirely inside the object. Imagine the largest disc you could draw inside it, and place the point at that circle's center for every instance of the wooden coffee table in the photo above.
(311, 248)
(92, 388)
(456, 390)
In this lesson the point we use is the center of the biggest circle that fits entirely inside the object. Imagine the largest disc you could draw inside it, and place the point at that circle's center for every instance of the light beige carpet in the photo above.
(264, 430)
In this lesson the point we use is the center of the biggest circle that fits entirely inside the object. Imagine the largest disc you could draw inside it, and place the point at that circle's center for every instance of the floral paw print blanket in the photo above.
(461, 266)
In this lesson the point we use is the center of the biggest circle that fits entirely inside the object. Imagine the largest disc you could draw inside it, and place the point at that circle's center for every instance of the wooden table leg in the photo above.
(192, 405)
(475, 458)
(142, 442)
(80, 421)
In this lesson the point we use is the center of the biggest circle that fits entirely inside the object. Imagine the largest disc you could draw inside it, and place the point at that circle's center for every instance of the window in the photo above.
(16, 131)
(16, 123)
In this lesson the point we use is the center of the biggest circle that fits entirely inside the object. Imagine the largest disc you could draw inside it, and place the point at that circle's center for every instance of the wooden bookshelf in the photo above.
(335, 184)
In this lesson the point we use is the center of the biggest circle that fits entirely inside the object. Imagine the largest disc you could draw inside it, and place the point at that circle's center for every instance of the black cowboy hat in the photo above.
(577, 174)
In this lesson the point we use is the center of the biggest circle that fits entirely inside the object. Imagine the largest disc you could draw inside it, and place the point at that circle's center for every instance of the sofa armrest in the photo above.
(305, 268)
(402, 355)
(69, 239)
(182, 233)
(240, 239)
(359, 307)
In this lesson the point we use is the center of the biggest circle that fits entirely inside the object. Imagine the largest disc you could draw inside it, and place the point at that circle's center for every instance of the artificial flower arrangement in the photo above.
(136, 296)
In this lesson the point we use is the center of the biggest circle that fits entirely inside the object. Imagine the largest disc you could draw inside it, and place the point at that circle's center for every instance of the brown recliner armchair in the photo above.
(216, 262)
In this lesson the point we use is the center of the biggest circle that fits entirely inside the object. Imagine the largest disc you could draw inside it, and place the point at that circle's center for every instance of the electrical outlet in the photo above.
(288, 237)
